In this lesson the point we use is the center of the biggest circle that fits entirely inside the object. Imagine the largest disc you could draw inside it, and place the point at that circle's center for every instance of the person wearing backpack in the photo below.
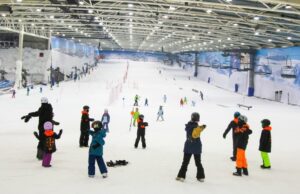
(48, 142)
(192, 146)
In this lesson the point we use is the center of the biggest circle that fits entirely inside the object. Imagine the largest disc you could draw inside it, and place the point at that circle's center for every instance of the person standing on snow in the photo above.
(192, 146)
(96, 150)
(135, 115)
(136, 100)
(84, 127)
(45, 113)
(243, 131)
(105, 120)
(160, 114)
(48, 141)
(165, 98)
(232, 126)
(141, 130)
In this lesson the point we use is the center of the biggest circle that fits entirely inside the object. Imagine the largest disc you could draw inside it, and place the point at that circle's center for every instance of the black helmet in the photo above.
(86, 107)
(266, 122)
(195, 117)
(141, 116)
(97, 125)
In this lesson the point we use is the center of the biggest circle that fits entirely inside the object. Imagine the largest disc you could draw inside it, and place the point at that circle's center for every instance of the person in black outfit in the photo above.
(141, 132)
(84, 127)
(265, 143)
(232, 125)
(45, 113)
(192, 146)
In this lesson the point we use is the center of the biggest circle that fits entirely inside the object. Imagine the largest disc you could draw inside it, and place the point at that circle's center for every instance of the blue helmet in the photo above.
(236, 114)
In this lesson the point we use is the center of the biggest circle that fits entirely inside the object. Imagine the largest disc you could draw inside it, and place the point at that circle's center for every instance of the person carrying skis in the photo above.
(45, 113)
(232, 125)
(141, 132)
(84, 127)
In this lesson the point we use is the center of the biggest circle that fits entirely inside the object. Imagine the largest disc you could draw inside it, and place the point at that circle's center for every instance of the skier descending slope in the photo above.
(45, 113)
(192, 146)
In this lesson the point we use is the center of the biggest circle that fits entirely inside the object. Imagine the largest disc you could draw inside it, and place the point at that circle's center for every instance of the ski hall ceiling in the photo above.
(175, 25)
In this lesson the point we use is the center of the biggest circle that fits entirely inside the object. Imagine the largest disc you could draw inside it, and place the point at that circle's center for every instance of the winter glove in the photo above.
(26, 118)
(36, 135)
(224, 135)
(96, 146)
(92, 119)
(146, 124)
(55, 123)
(60, 131)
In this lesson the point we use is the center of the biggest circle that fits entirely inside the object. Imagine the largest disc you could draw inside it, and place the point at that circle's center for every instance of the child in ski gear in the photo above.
(45, 113)
(136, 99)
(232, 125)
(48, 142)
(181, 102)
(141, 132)
(160, 113)
(96, 150)
(135, 115)
(243, 131)
(192, 146)
(105, 120)
(265, 143)
(84, 127)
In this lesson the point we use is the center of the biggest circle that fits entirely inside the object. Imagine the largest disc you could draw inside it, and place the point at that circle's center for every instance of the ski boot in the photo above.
(245, 171)
(238, 172)
(265, 167)
(180, 179)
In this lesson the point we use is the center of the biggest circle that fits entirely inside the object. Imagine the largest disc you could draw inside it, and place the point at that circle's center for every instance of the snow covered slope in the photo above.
(152, 170)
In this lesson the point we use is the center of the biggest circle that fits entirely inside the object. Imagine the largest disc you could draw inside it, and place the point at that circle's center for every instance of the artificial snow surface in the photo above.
(152, 170)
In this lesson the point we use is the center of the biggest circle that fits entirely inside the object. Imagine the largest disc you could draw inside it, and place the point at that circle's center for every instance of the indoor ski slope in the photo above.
(152, 170)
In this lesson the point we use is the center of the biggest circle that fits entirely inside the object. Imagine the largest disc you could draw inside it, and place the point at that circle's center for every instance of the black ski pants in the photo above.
(185, 163)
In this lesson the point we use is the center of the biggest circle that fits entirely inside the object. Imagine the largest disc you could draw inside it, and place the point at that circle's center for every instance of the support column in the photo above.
(49, 65)
(196, 64)
(19, 62)
(251, 74)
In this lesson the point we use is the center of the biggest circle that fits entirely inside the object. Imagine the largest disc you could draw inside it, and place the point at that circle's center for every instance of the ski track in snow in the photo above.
(152, 170)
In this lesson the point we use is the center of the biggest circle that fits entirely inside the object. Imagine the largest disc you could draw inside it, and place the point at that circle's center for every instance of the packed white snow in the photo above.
(154, 169)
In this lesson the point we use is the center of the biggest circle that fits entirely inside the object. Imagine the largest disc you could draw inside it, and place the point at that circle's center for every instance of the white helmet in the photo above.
(243, 118)
(44, 100)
